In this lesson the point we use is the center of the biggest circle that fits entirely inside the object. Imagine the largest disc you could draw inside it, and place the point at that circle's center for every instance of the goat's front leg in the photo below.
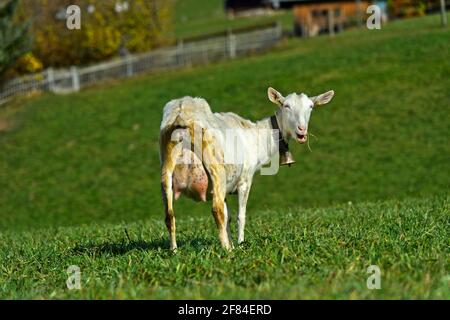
(243, 192)
(228, 220)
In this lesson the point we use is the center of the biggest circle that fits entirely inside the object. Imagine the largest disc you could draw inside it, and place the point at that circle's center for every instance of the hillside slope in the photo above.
(93, 156)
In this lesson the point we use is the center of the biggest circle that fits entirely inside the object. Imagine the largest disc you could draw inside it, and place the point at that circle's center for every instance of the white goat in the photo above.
(193, 147)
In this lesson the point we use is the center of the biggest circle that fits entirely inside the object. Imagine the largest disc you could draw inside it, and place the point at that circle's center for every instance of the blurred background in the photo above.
(35, 36)
(80, 109)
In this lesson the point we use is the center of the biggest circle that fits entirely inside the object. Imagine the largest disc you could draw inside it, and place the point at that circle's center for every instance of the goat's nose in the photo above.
(302, 128)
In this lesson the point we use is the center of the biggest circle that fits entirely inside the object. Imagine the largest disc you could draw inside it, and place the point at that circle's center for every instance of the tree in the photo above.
(14, 39)
(107, 28)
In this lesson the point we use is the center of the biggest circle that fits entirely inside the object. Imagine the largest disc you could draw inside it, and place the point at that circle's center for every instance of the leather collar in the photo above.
(283, 146)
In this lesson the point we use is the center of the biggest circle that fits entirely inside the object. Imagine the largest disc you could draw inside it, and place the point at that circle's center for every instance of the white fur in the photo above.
(293, 117)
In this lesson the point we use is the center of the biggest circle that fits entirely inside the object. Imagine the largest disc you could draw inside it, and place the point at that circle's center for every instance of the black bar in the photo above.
(227, 309)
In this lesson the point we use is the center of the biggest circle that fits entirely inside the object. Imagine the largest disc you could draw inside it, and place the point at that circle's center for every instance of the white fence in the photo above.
(184, 54)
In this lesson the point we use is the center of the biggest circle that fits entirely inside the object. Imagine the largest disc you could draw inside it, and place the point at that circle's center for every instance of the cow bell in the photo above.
(286, 159)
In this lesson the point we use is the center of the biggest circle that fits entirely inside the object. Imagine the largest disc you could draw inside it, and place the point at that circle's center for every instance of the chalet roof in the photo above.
(273, 3)
(290, 3)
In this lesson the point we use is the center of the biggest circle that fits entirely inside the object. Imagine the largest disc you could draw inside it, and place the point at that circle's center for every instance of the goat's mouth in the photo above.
(301, 138)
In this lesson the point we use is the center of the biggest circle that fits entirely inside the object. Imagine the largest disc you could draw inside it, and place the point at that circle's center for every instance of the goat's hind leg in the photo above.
(219, 209)
(213, 163)
(167, 195)
(167, 168)
(219, 213)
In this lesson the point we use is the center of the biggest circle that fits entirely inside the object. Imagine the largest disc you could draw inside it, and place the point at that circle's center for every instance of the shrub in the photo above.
(408, 8)
(104, 31)
(14, 39)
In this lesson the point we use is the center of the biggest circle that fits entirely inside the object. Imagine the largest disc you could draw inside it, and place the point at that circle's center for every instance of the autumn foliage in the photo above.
(138, 25)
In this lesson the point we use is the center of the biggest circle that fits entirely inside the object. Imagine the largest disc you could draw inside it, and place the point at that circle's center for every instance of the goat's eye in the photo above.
(287, 106)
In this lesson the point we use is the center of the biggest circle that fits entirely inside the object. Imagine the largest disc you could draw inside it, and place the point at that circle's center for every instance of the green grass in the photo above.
(195, 18)
(302, 254)
(77, 170)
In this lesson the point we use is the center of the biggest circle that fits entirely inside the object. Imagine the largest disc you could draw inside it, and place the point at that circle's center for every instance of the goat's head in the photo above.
(295, 111)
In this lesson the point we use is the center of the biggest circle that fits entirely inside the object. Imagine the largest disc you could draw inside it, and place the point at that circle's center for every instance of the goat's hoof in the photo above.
(228, 247)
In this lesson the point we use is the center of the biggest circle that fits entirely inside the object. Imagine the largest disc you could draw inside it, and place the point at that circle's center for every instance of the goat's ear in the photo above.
(275, 96)
(323, 98)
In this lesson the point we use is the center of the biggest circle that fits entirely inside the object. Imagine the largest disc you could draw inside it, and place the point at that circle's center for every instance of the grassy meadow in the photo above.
(79, 180)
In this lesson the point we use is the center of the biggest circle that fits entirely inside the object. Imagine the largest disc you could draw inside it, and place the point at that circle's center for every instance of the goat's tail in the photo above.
(170, 138)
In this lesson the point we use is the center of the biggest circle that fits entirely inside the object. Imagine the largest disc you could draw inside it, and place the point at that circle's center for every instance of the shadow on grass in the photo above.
(123, 247)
